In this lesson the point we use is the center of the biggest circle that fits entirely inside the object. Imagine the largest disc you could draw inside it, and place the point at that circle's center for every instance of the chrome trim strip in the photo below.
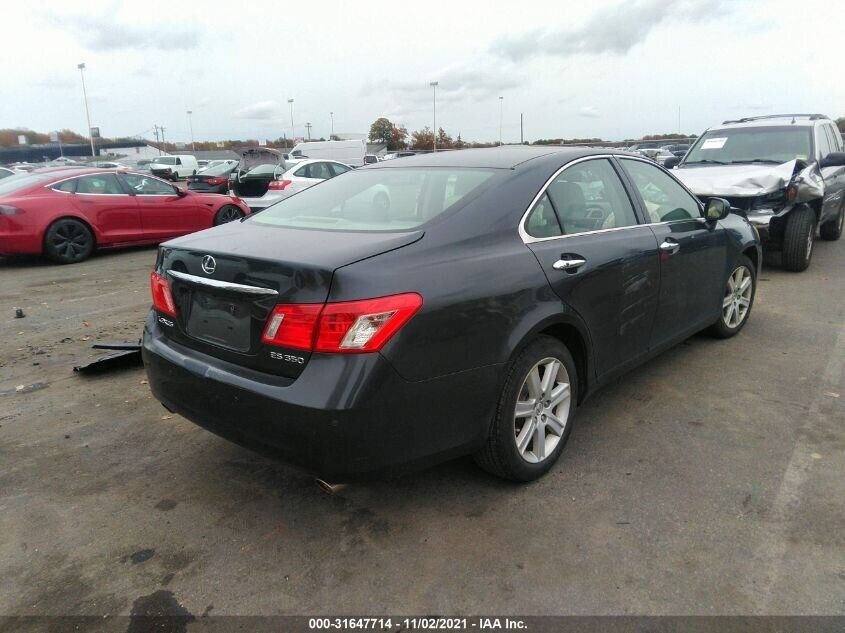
(223, 285)
(528, 239)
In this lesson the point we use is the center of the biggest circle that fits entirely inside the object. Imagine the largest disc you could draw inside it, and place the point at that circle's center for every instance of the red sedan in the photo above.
(66, 213)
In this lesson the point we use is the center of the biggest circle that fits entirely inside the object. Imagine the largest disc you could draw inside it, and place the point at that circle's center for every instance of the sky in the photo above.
(605, 68)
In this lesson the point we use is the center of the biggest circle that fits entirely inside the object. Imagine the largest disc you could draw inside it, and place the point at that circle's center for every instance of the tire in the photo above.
(68, 241)
(832, 229)
(737, 300)
(798, 239)
(501, 455)
(227, 213)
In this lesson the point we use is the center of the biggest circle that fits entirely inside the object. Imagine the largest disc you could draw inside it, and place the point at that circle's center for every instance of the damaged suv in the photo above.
(785, 172)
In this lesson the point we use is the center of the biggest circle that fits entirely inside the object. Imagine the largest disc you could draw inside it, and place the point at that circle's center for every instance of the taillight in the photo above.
(162, 297)
(278, 185)
(216, 180)
(292, 325)
(344, 327)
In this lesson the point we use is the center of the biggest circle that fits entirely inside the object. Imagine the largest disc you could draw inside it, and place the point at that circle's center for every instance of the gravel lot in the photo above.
(709, 481)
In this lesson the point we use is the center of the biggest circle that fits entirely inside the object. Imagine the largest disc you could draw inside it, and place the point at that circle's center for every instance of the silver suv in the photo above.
(786, 172)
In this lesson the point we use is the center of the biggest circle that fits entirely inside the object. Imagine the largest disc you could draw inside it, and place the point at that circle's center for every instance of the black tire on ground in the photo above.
(798, 239)
(832, 229)
(227, 213)
(721, 329)
(68, 241)
(500, 455)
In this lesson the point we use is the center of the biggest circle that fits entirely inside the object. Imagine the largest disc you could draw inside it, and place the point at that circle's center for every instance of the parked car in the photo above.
(5, 173)
(452, 303)
(214, 163)
(66, 213)
(786, 172)
(109, 165)
(347, 152)
(174, 167)
(254, 187)
(279, 184)
(677, 149)
(213, 179)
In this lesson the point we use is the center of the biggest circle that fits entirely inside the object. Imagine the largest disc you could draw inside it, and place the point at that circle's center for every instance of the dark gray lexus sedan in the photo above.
(446, 304)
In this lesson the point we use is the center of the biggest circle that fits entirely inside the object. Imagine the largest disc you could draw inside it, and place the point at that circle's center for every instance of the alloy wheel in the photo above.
(542, 410)
(228, 213)
(737, 299)
(70, 241)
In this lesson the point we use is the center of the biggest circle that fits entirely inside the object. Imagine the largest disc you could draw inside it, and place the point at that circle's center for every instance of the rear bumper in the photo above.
(17, 239)
(346, 417)
(259, 204)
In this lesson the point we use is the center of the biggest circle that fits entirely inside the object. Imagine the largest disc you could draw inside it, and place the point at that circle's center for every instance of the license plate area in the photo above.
(219, 320)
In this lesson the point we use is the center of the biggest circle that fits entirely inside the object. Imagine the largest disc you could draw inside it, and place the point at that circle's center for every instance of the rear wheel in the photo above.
(227, 213)
(737, 300)
(68, 241)
(832, 229)
(533, 420)
(798, 239)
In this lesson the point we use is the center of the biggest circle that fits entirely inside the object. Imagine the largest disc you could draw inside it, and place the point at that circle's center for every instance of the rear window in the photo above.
(218, 170)
(376, 199)
(22, 181)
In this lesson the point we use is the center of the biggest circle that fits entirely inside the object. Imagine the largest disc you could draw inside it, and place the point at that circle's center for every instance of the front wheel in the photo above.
(798, 239)
(832, 229)
(533, 419)
(737, 300)
(68, 241)
(227, 213)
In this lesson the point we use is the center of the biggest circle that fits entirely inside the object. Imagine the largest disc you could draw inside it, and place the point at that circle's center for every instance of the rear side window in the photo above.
(542, 221)
(394, 199)
(590, 197)
(68, 186)
(665, 200)
(338, 169)
(105, 184)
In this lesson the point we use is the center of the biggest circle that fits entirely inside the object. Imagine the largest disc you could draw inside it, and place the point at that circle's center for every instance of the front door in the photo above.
(690, 250)
(164, 213)
(598, 259)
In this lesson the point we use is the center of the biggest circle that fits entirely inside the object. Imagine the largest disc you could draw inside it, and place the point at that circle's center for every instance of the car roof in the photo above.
(506, 157)
(771, 120)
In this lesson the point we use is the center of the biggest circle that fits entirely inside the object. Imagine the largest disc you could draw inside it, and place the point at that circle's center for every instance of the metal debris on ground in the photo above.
(19, 313)
(121, 355)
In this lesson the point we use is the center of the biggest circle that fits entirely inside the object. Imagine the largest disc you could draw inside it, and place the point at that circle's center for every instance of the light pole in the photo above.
(292, 132)
(191, 126)
(434, 85)
(331, 114)
(501, 101)
(81, 68)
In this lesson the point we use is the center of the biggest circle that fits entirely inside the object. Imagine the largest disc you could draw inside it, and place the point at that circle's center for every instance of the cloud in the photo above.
(104, 33)
(615, 29)
(259, 111)
(589, 112)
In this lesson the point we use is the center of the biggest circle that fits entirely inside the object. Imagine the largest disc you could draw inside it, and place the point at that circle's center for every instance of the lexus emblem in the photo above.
(208, 265)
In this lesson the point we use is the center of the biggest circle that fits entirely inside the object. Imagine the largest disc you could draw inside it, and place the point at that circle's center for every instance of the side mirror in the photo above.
(716, 209)
(834, 159)
(181, 192)
(669, 163)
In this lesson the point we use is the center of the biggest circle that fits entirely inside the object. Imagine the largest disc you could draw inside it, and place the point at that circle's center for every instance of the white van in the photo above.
(347, 152)
(174, 167)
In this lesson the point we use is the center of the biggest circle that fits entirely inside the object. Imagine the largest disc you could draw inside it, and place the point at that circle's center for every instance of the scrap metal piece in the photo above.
(121, 355)
(19, 313)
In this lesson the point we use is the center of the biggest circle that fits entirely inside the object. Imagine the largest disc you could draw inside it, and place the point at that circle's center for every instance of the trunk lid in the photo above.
(226, 280)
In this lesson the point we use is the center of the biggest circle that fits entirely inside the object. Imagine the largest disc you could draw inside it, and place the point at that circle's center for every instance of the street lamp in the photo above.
(292, 132)
(501, 100)
(191, 126)
(331, 114)
(81, 68)
(434, 85)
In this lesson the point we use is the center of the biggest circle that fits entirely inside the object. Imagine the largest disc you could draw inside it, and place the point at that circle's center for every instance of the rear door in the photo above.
(163, 212)
(692, 253)
(108, 207)
(827, 141)
(599, 258)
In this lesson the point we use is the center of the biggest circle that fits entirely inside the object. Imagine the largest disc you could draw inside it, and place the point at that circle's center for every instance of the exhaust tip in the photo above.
(329, 488)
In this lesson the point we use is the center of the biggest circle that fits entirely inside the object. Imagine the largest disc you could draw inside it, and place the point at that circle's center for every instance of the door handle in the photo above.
(670, 246)
(568, 264)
